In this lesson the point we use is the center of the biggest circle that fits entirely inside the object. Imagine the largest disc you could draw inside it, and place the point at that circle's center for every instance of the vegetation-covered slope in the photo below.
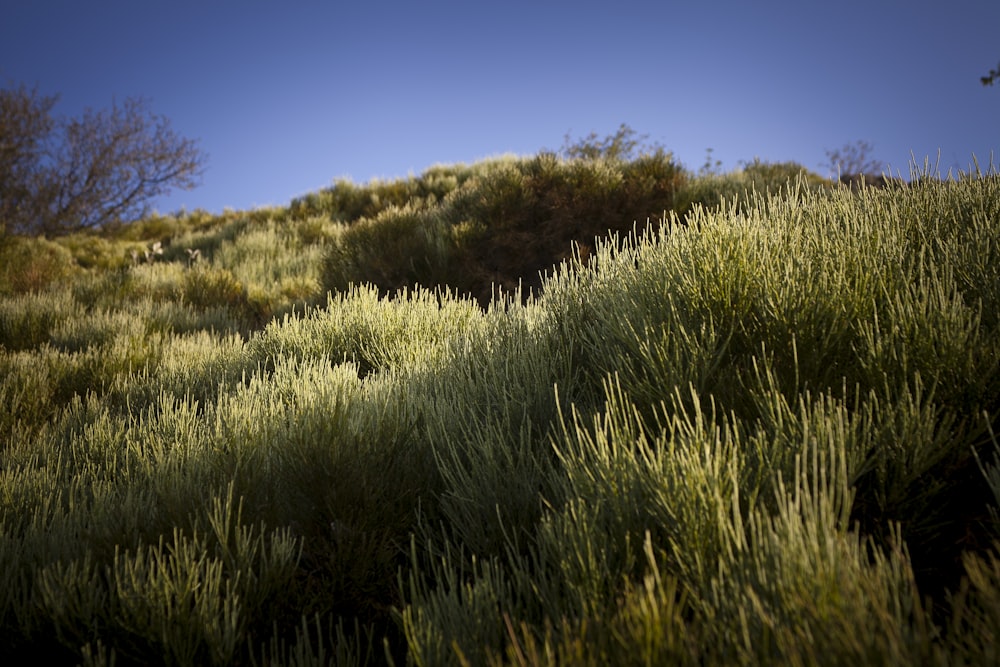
(760, 432)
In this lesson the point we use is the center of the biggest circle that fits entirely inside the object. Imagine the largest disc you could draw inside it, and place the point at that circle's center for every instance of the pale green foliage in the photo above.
(736, 442)
(188, 598)
(274, 259)
(373, 331)
(714, 190)
(755, 310)
(27, 320)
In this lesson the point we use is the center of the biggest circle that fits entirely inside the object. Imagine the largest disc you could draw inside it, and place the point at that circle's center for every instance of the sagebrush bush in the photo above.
(368, 329)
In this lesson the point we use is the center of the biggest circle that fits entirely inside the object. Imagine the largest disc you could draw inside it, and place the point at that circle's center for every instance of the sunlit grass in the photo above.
(764, 436)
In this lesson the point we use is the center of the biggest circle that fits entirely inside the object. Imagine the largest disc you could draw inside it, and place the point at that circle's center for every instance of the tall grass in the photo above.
(766, 435)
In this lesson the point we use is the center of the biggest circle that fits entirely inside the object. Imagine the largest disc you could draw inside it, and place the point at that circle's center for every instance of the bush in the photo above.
(94, 252)
(533, 212)
(205, 287)
(400, 247)
(348, 202)
(513, 220)
(33, 264)
(209, 290)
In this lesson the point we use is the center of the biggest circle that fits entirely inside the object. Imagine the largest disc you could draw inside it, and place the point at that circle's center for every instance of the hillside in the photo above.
(470, 228)
(747, 418)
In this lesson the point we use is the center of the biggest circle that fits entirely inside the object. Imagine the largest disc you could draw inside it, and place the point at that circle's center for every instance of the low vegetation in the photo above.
(540, 410)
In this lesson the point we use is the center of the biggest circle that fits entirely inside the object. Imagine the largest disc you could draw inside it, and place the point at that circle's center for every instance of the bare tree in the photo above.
(622, 145)
(25, 125)
(852, 160)
(62, 175)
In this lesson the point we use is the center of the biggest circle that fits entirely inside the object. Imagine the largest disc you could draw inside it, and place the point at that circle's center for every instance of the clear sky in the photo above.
(286, 96)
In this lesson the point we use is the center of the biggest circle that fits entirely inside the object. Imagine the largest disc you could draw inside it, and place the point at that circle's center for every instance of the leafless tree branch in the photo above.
(59, 175)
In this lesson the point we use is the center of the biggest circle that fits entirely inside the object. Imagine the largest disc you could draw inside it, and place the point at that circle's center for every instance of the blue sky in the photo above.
(287, 96)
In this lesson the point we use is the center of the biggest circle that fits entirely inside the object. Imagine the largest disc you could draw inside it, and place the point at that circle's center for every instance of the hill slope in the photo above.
(761, 436)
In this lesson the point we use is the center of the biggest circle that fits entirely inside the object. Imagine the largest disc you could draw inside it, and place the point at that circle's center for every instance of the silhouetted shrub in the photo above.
(651, 184)
(533, 211)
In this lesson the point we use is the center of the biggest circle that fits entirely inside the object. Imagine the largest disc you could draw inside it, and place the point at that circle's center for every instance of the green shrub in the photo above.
(26, 390)
(95, 252)
(160, 282)
(348, 202)
(510, 220)
(317, 230)
(205, 287)
(274, 265)
(400, 247)
(772, 177)
(150, 228)
(33, 264)
(370, 330)
(97, 328)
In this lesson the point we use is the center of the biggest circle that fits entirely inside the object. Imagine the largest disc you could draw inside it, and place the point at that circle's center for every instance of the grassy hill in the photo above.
(748, 418)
